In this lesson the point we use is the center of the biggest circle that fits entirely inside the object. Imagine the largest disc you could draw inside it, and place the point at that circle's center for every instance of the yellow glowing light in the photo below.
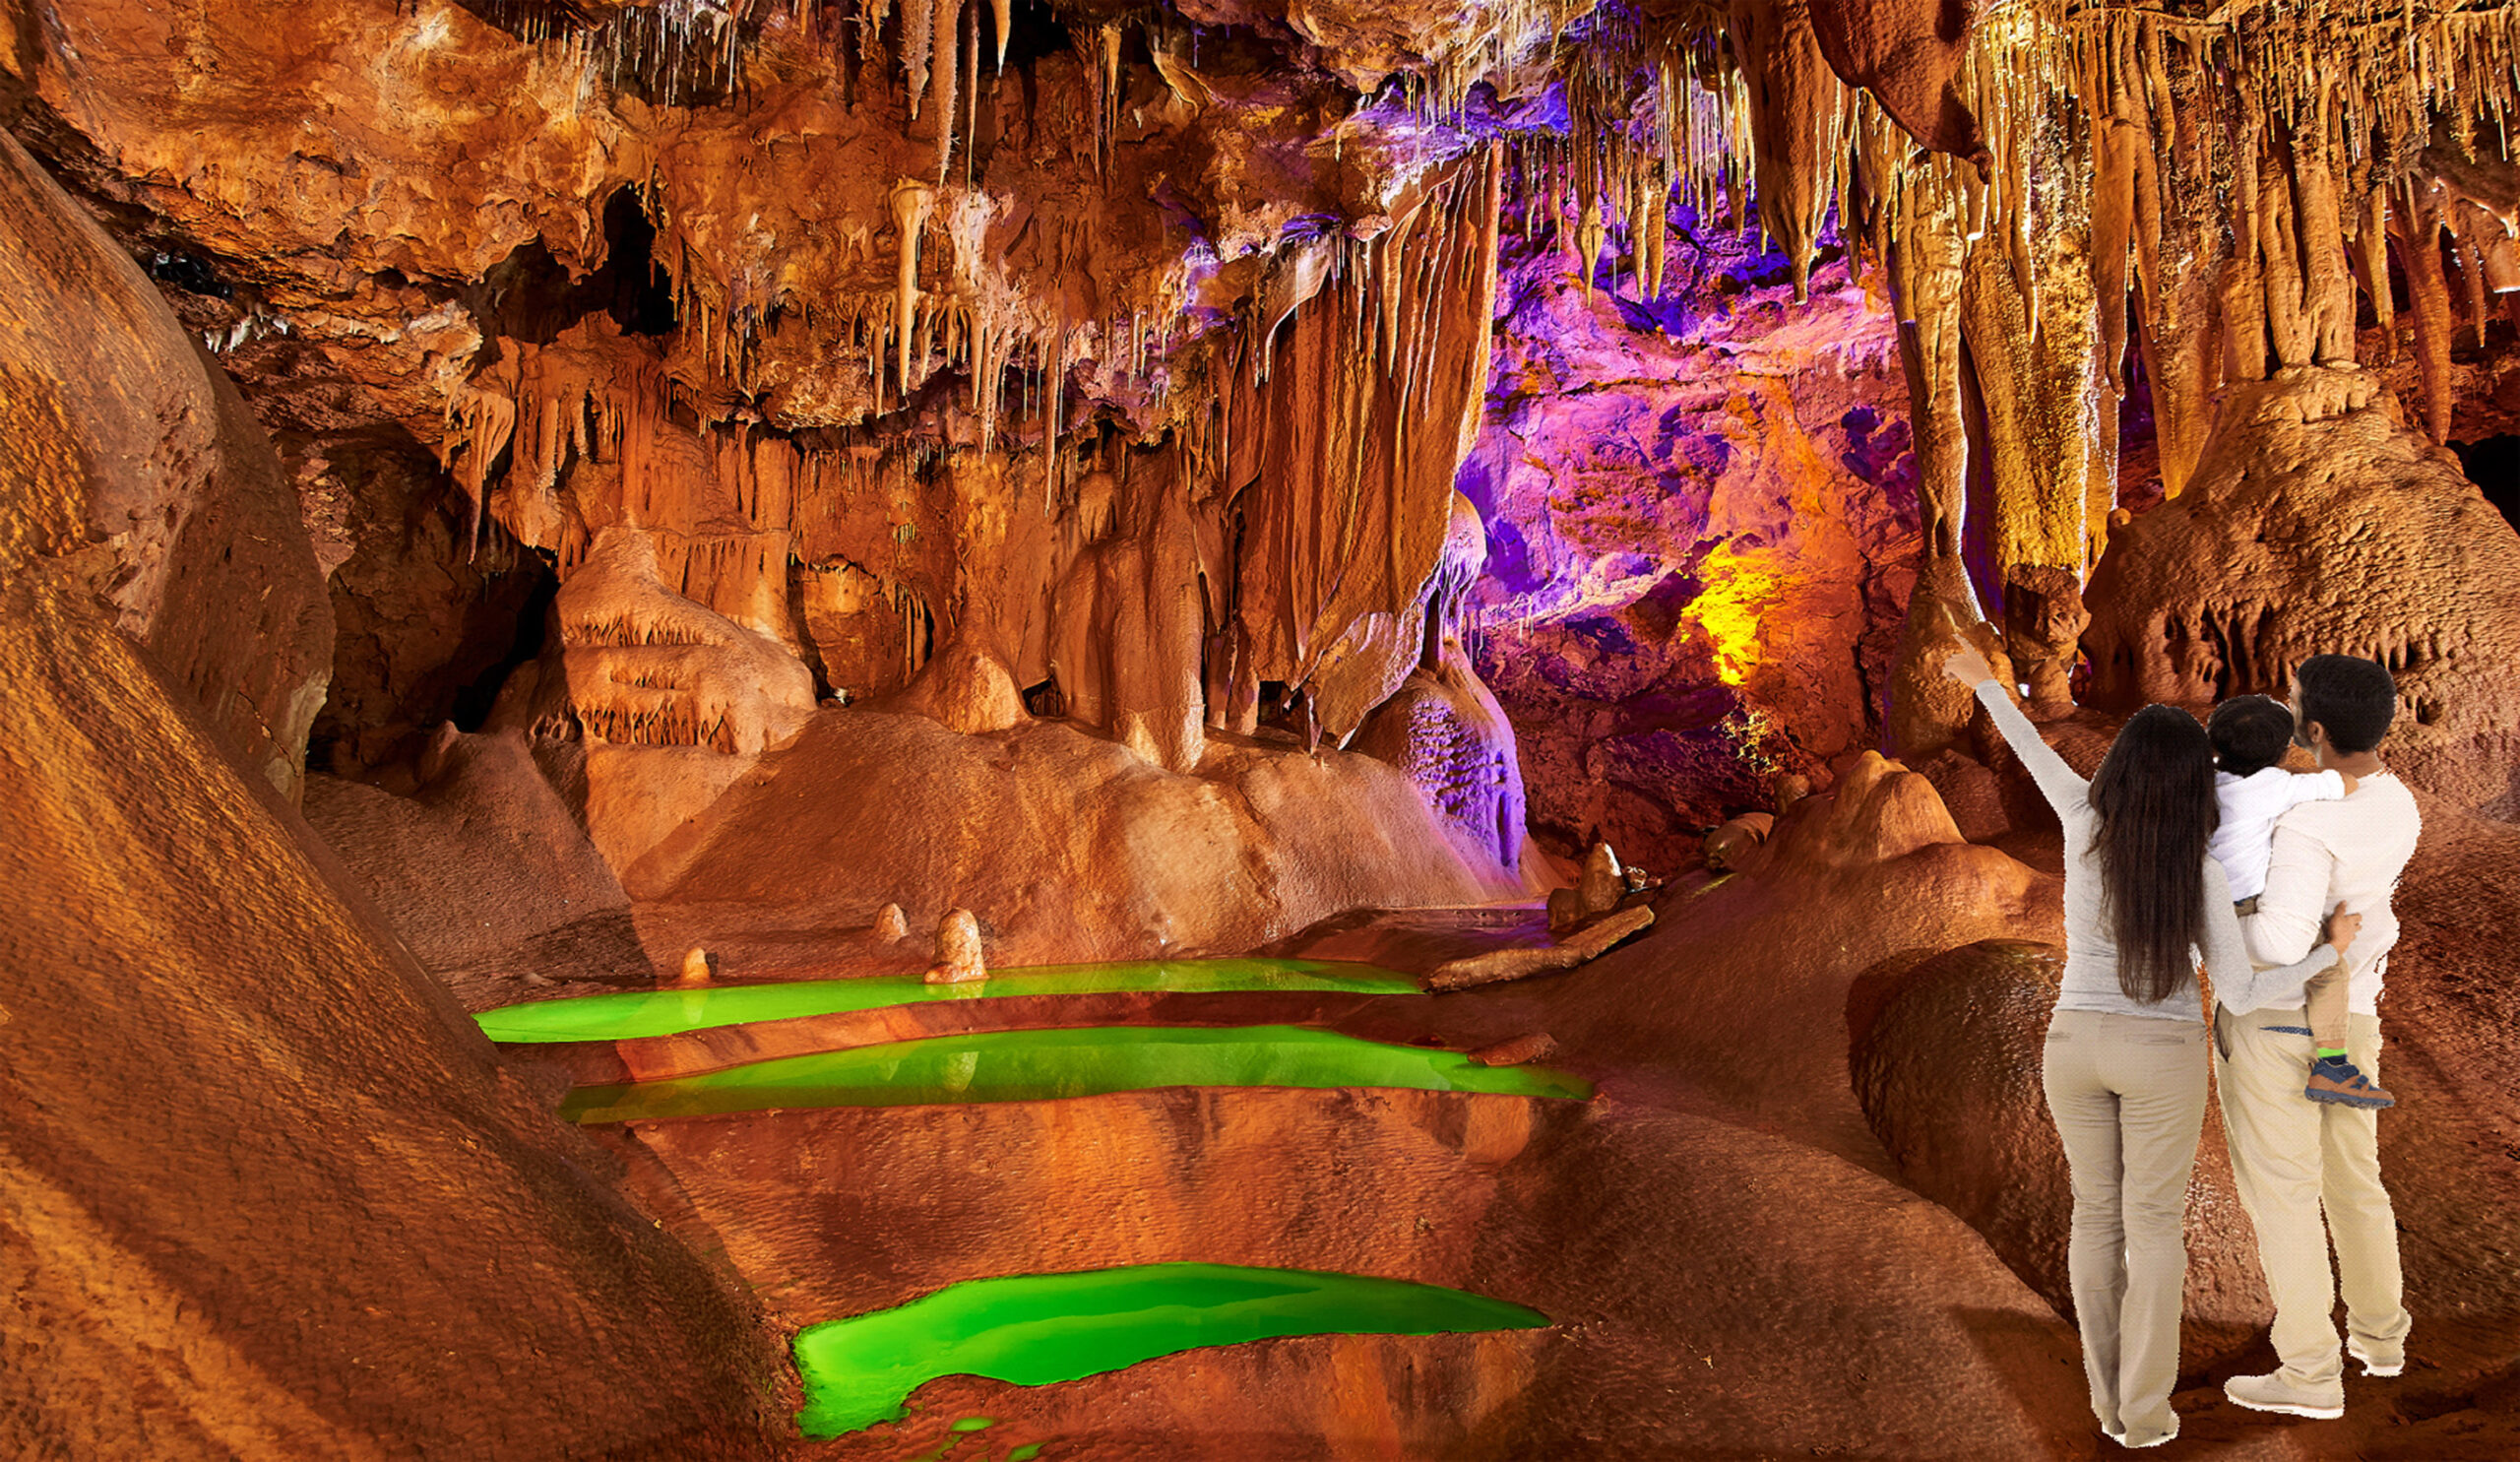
(1730, 608)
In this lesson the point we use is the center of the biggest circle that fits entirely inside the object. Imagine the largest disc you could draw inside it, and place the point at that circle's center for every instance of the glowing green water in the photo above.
(1083, 1061)
(670, 1012)
(1034, 1330)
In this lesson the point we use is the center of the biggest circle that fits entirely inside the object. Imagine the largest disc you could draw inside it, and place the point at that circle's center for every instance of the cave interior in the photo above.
(825, 728)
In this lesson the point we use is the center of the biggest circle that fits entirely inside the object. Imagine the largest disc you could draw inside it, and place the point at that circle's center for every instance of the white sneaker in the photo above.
(2272, 1392)
(2374, 1365)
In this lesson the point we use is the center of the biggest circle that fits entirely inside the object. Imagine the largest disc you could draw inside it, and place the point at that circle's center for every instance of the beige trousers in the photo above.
(2326, 1013)
(2293, 1158)
(2128, 1093)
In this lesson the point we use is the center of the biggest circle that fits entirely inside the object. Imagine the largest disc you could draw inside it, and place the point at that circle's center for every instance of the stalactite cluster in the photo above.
(908, 289)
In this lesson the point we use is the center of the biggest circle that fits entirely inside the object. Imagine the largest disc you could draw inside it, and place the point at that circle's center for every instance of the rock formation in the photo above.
(1730, 845)
(958, 950)
(2318, 522)
(1066, 846)
(1586, 941)
(131, 456)
(2043, 625)
(264, 1189)
(487, 870)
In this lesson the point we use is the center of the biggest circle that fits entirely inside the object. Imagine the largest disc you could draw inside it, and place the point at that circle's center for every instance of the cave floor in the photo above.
(1731, 1264)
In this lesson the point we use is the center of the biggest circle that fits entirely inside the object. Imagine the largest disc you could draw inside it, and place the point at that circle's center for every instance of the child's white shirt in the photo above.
(2250, 804)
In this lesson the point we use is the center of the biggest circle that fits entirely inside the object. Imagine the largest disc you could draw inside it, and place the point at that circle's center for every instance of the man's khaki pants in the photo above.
(2292, 1156)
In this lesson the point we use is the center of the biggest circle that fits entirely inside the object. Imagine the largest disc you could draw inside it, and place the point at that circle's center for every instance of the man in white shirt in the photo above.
(2295, 1159)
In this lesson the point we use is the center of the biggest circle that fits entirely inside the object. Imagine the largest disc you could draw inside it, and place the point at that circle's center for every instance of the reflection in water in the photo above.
(1038, 1065)
(631, 1014)
(1034, 1330)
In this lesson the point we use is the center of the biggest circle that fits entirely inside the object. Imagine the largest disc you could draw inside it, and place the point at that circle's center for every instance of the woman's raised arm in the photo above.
(2066, 792)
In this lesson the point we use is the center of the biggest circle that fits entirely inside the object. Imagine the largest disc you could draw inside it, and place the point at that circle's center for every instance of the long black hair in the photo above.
(2155, 796)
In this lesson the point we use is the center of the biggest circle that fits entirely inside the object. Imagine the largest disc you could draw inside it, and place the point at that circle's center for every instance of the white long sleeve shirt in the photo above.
(2324, 854)
(2250, 804)
(2090, 980)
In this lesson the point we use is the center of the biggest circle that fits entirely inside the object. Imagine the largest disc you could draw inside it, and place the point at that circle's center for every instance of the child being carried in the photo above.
(2250, 733)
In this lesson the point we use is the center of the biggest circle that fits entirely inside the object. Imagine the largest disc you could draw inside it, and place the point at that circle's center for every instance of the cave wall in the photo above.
(136, 462)
(1702, 519)
(264, 1189)
(2321, 521)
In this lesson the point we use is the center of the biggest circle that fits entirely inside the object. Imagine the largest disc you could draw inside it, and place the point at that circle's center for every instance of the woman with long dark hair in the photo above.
(2126, 1048)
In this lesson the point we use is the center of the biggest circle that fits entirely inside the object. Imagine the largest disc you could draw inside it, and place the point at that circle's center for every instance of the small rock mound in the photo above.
(958, 950)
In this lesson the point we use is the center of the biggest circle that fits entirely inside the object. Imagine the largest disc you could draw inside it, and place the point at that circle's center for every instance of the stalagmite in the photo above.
(959, 956)
(1603, 883)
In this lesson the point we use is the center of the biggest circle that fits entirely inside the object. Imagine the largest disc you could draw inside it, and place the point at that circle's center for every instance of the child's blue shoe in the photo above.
(2337, 1080)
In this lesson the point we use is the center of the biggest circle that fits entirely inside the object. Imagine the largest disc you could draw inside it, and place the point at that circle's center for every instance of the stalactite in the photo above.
(1926, 249)
(1588, 239)
(2372, 267)
(948, 28)
(918, 37)
(1657, 230)
(1792, 116)
(2327, 294)
(2471, 272)
(2244, 279)
(912, 199)
(2121, 152)
(971, 91)
(2279, 243)
(1107, 76)
(2419, 234)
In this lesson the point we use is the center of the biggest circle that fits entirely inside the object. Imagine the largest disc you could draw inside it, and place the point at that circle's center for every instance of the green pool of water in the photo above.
(1034, 1330)
(670, 1012)
(1086, 1060)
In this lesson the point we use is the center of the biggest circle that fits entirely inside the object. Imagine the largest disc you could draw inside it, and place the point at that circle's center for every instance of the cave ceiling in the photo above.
(834, 288)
